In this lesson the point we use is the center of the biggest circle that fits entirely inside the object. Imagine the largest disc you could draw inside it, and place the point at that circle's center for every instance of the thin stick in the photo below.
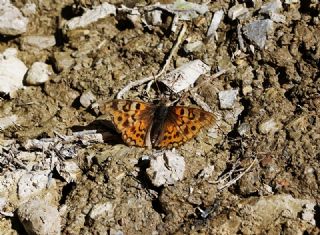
(147, 79)
(233, 181)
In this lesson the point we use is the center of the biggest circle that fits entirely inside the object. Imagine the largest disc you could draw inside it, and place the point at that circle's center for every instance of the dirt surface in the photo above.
(274, 130)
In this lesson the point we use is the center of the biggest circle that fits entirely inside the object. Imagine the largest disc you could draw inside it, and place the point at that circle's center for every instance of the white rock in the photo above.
(154, 17)
(206, 172)
(227, 98)
(271, 7)
(186, 75)
(182, 9)
(270, 126)
(39, 42)
(38, 73)
(12, 22)
(87, 98)
(39, 218)
(105, 209)
(166, 168)
(7, 121)
(308, 214)
(91, 16)
(216, 19)
(237, 11)
(192, 46)
(277, 18)
(33, 183)
(12, 72)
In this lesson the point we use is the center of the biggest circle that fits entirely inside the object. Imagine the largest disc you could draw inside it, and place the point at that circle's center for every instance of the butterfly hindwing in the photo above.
(132, 119)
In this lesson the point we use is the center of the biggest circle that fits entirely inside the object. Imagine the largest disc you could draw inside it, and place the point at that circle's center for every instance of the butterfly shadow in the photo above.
(103, 127)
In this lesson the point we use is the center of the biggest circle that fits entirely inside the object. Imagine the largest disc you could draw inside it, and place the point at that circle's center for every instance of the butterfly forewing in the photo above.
(182, 124)
(132, 119)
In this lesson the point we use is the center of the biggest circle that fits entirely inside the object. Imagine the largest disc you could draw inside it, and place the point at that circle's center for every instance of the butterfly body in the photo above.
(148, 125)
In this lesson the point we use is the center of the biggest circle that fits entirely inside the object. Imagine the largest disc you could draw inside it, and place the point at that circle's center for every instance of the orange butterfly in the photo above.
(160, 126)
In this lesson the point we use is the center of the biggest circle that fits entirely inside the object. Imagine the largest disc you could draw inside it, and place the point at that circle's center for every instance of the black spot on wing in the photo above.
(126, 123)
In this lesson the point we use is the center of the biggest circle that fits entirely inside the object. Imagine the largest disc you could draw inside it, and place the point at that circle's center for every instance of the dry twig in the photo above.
(233, 181)
(228, 175)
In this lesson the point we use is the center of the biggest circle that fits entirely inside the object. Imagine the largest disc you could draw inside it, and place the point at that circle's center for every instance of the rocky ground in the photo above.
(64, 170)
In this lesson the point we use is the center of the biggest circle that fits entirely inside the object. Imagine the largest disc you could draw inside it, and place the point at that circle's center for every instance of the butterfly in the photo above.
(159, 126)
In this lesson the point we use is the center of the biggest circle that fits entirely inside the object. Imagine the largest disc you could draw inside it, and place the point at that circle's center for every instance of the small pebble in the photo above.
(257, 31)
(37, 42)
(38, 74)
(99, 209)
(237, 11)
(269, 126)
(192, 46)
(87, 98)
(308, 214)
(244, 129)
(227, 98)
(271, 7)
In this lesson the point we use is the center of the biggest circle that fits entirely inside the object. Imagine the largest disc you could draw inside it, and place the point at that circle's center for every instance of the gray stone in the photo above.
(257, 32)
